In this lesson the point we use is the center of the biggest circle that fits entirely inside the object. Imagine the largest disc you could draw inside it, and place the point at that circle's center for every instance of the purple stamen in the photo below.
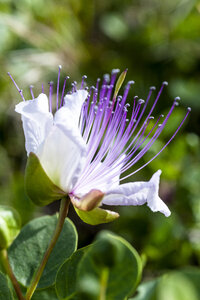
(175, 133)
(152, 140)
(102, 91)
(177, 99)
(63, 91)
(108, 134)
(58, 85)
(114, 159)
(114, 76)
(50, 95)
(150, 112)
(109, 92)
(83, 81)
(127, 88)
(74, 87)
(19, 90)
(31, 90)
(106, 79)
(97, 84)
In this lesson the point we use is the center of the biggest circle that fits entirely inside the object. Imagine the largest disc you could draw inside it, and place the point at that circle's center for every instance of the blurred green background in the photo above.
(156, 40)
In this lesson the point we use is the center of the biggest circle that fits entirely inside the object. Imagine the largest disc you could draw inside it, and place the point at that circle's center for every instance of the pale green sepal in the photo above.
(119, 83)
(97, 216)
(38, 186)
(10, 224)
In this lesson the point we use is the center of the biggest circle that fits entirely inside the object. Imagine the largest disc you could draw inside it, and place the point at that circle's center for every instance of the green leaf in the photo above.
(66, 279)
(45, 294)
(174, 286)
(97, 216)
(27, 251)
(193, 274)
(40, 189)
(114, 264)
(10, 224)
(5, 293)
(147, 290)
(110, 266)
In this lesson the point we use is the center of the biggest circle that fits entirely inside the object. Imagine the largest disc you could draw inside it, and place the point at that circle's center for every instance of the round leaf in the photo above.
(27, 251)
(5, 292)
(174, 286)
(193, 274)
(66, 279)
(10, 224)
(114, 263)
(147, 290)
(45, 294)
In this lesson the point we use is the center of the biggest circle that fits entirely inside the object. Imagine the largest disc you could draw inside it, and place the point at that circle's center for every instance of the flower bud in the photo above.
(87, 208)
(89, 201)
(10, 224)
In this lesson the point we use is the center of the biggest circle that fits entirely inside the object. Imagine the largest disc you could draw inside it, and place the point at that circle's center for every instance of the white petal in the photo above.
(30, 108)
(153, 200)
(67, 117)
(75, 101)
(138, 193)
(120, 199)
(71, 110)
(37, 121)
(159, 205)
(62, 157)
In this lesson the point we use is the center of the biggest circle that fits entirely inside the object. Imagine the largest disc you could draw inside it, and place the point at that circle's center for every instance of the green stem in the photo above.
(103, 283)
(64, 206)
(6, 264)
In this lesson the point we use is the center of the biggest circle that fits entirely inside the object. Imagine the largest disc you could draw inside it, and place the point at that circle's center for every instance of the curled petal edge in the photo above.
(138, 193)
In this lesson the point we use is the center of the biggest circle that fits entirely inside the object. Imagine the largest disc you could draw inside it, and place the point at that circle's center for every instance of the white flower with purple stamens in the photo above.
(87, 144)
